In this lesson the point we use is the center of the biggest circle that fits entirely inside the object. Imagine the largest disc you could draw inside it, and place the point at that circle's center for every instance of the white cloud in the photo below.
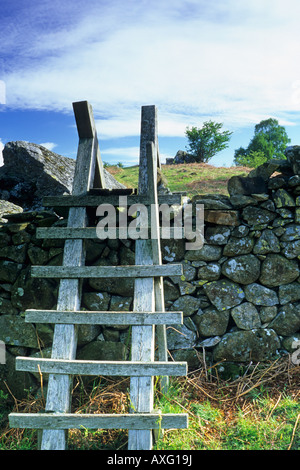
(126, 155)
(196, 60)
(49, 145)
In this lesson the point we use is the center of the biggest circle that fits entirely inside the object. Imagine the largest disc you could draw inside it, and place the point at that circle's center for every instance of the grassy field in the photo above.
(195, 178)
(260, 410)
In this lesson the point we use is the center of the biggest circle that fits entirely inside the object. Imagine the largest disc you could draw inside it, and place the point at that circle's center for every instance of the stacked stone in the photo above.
(241, 298)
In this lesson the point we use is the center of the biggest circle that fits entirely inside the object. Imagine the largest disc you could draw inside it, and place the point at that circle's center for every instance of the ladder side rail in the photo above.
(69, 296)
(141, 388)
(161, 335)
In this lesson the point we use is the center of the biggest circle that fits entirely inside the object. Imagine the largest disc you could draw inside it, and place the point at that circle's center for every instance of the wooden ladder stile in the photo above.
(147, 318)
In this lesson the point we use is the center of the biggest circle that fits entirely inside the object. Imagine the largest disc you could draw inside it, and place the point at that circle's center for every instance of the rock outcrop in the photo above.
(31, 171)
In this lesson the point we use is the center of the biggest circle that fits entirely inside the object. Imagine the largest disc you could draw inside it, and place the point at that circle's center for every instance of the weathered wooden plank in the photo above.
(108, 368)
(95, 201)
(140, 421)
(161, 335)
(91, 233)
(103, 318)
(76, 272)
(142, 344)
(69, 296)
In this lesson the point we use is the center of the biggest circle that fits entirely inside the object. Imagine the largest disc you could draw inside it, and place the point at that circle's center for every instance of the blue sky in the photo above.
(233, 61)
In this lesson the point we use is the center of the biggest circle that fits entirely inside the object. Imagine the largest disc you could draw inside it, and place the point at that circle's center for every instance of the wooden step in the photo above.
(91, 233)
(95, 201)
(103, 318)
(76, 272)
(139, 421)
(107, 368)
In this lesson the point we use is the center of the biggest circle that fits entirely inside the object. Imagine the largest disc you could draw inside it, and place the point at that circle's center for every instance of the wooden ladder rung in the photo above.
(109, 368)
(103, 318)
(95, 201)
(91, 233)
(139, 421)
(76, 272)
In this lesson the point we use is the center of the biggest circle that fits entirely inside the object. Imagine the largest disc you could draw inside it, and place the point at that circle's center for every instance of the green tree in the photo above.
(269, 141)
(206, 141)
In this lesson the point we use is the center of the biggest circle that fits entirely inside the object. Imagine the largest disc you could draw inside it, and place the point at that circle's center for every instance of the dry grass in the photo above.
(228, 399)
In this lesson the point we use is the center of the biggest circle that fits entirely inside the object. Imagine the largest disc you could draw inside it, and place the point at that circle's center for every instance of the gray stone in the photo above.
(224, 294)
(9, 271)
(15, 253)
(241, 231)
(206, 253)
(180, 337)
(291, 250)
(97, 301)
(103, 351)
(187, 355)
(239, 201)
(217, 235)
(277, 270)
(292, 232)
(247, 186)
(172, 250)
(186, 304)
(7, 207)
(18, 382)
(267, 243)
(292, 343)
(247, 345)
(222, 217)
(287, 322)
(244, 269)
(292, 154)
(30, 292)
(283, 199)
(267, 169)
(255, 215)
(171, 292)
(210, 272)
(31, 171)
(260, 295)
(6, 308)
(183, 157)
(37, 255)
(267, 313)
(289, 293)
(246, 316)
(212, 202)
(210, 342)
(238, 246)
(211, 322)
(14, 331)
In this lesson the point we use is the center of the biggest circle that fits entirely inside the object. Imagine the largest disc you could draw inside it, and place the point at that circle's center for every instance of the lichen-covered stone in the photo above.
(290, 250)
(224, 294)
(14, 331)
(287, 321)
(246, 316)
(256, 215)
(247, 345)
(283, 199)
(210, 272)
(206, 253)
(243, 269)
(289, 293)
(291, 233)
(267, 243)
(238, 246)
(180, 337)
(277, 270)
(186, 304)
(211, 322)
(217, 235)
(260, 295)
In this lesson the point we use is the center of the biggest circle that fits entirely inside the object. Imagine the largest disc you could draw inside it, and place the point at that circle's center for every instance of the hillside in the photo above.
(195, 178)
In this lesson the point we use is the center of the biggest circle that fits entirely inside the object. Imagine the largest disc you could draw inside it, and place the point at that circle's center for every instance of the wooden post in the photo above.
(65, 336)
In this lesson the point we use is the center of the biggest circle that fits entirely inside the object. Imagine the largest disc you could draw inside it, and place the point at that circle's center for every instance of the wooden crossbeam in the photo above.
(64, 233)
(76, 272)
(108, 368)
(95, 201)
(136, 421)
(103, 318)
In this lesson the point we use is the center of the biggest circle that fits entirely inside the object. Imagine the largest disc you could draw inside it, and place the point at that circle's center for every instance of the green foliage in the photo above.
(206, 141)
(269, 141)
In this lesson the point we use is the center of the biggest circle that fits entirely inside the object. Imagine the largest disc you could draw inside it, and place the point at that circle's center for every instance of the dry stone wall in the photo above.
(240, 293)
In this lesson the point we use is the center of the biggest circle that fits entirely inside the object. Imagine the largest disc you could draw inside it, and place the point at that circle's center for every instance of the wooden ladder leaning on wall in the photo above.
(148, 305)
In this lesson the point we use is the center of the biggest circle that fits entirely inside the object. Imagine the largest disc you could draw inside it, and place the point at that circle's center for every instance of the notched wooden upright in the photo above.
(69, 296)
